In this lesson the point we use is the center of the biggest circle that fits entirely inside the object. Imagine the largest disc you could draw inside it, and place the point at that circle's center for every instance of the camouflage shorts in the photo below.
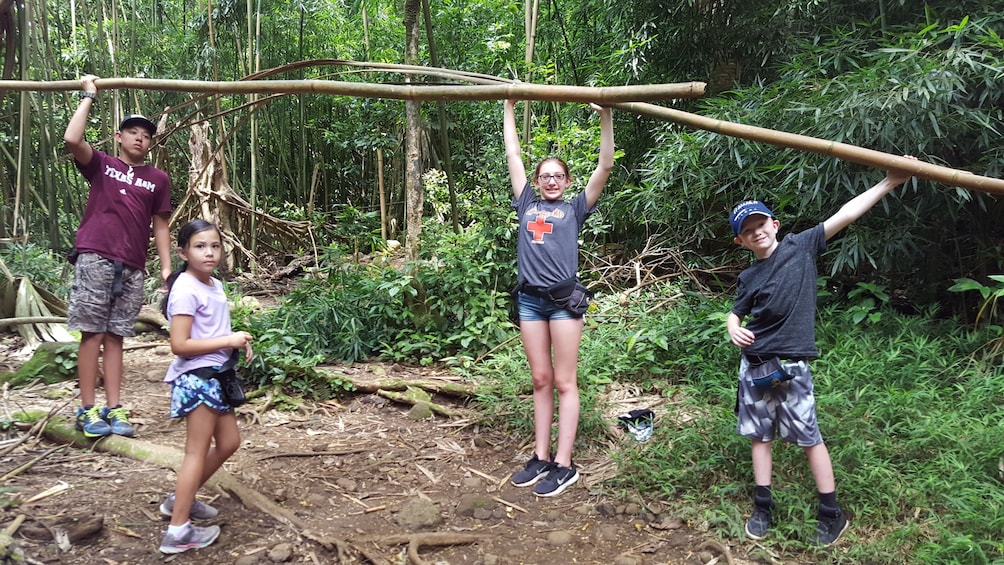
(93, 308)
(787, 411)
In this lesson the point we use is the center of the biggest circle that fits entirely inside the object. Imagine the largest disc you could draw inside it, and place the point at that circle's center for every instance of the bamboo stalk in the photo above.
(605, 95)
(844, 151)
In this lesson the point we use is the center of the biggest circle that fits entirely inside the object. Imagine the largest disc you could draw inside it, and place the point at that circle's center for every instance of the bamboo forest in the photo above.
(364, 162)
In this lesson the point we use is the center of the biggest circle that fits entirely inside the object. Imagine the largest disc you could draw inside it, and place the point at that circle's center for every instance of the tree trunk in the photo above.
(413, 150)
(444, 133)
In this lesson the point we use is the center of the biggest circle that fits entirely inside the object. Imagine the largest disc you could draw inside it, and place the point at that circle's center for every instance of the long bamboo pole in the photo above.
(605, 95)
(852, 153)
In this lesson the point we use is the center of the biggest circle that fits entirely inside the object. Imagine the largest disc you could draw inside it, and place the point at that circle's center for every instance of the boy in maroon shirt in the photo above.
(110, 255)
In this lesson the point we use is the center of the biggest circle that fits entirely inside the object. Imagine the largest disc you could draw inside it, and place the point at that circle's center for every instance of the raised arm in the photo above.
(605, 163)
(857, 206)
(73, 138)
(513, 153)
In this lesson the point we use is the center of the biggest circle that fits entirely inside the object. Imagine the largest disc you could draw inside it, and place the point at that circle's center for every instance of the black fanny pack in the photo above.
(569, 294)
(230, 384)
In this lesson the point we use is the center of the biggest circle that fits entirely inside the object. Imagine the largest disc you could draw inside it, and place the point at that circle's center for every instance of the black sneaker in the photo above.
(759, 523)
(557, 480)
(831, 523)
(534, 471)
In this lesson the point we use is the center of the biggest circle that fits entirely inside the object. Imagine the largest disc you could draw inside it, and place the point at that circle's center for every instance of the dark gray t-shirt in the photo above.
(777, 297)
(547, 245)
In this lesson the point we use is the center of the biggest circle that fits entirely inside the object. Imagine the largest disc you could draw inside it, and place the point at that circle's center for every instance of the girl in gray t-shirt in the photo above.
(548, 253)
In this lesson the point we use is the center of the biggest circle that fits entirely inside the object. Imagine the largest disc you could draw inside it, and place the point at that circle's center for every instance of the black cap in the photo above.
(139, 120)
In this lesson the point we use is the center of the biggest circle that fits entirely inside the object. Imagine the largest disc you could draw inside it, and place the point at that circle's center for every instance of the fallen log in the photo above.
(844, 151)
(603, 95)
(446, 388)
(405, 398)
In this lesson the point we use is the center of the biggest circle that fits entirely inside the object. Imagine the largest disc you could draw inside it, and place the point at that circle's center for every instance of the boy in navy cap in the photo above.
(110, 255)
(777, 297)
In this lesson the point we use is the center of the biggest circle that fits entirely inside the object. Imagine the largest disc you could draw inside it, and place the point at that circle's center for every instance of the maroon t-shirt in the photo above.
(122, 201)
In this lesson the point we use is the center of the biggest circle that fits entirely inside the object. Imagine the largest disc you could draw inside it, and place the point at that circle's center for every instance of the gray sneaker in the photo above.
(199, 511)
(534, 471)
(195, 537)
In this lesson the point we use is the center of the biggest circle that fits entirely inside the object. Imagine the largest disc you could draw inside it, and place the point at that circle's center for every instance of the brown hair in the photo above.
(558, 160)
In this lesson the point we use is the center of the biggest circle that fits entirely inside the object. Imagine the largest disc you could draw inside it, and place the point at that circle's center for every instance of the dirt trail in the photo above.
(355, 469)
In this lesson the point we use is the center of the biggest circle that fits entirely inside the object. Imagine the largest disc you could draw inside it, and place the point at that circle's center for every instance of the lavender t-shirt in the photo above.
(211, 318)
(122, 200)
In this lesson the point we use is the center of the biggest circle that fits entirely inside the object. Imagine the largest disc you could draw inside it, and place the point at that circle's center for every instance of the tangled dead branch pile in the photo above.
(246, 231)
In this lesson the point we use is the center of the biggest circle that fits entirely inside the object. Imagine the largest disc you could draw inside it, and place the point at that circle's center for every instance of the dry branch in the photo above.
(844, 151)
(604, 95)
(15, 472)
(211, 197)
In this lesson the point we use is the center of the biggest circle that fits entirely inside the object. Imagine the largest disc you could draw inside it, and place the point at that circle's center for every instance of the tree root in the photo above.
(720, 547)
(435, 408)
(436, 387)
(416, 541)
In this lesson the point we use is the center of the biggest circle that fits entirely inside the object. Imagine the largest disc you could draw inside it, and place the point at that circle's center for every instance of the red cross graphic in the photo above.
(539, 227)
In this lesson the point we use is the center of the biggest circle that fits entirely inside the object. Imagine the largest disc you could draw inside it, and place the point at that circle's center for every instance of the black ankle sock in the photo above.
(762, 496)
(828, 499)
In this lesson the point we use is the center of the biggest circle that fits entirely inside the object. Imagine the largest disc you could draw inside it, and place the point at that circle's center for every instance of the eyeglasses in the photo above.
(547, 178)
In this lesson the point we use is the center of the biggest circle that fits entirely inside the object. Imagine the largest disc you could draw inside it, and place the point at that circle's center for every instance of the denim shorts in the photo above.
(538, 309)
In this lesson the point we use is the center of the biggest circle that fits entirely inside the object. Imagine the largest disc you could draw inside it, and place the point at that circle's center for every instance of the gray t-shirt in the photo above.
(547, 245)
(777, 297)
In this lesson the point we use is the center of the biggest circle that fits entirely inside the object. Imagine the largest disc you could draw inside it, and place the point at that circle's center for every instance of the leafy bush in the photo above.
(453, 302)
(40, 265)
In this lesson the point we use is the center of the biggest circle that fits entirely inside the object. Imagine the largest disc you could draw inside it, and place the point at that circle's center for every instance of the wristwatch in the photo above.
(92, 95)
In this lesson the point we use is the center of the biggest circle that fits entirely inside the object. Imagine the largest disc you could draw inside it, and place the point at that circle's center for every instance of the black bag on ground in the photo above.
(231, 385)
(570, 295)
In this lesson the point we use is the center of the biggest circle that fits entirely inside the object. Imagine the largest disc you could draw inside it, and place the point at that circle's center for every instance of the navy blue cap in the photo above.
(744, 210)
(139, 120)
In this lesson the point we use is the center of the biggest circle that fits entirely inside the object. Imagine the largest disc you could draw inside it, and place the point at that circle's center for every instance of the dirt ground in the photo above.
(355, 469)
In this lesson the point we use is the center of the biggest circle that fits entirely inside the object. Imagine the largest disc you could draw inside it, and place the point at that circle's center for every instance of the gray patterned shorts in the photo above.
(93, 308)
(787, 411)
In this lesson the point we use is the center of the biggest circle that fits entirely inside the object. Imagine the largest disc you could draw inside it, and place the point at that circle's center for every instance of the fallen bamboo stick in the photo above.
(844, 151)
(604, 95)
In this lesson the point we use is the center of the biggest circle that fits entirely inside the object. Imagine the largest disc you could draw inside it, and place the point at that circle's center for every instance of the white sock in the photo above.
(176, 531)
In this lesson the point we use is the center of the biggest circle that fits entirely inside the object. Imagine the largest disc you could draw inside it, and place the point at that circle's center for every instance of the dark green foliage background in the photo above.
(909, 386)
